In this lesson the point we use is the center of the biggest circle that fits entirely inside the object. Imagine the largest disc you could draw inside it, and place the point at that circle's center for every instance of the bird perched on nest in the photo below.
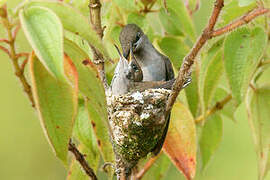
(128, 77)
(154, 65)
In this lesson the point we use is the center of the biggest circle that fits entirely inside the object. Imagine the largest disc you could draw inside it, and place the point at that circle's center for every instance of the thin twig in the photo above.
(241, 21)
(14, 58)
(80, 158)
(218, 106)
(5, 50)
(147, 166)
(262, 63)
(94, 7)
(24, 64)
(188, 61)
(4, 41)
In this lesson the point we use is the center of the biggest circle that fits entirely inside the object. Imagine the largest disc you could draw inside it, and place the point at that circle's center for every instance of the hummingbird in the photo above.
(155, 66)
(128, 77)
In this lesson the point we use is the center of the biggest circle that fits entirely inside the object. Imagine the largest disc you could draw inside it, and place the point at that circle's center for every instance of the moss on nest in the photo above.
(137, 121)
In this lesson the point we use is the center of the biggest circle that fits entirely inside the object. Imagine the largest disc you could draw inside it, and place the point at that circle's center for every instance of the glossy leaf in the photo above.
(242, 51)
(210, 73)
(91, 87)
(74, 22)
(56, 102)
(211, 137)
(175, 49)
(44, 32)
(259, 118)
(180, 143)
(75, 170)
(84, 132)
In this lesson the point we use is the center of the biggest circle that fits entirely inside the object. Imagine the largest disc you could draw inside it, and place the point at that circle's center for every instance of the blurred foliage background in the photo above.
(25, 152)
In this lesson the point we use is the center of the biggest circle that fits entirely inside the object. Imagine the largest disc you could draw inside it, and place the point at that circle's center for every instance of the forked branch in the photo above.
(207, 34)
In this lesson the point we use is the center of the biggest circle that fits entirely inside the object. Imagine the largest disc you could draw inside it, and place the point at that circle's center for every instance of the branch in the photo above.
(80, 158)
(95, 19)
(188, 61)
(5, 50)
(218, 106)
(262, 63)
(207, 34)
(14, 57)
(245, 19)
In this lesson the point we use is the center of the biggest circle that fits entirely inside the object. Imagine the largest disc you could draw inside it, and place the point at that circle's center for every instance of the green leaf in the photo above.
(159, 169)
(138, 19)
(229, 109)
(258, 103)
(169, 22)
(75, 170)
(127, 4)
(180, 143)
(192, 95)
(180, 17)
(91, 87)
(85, 134)
(44, 32)
(245, 2)
(210, 138)
(175, 49)
(56, 102)
(232, 11)
(210, 74)
(242, 51)
(74, 22)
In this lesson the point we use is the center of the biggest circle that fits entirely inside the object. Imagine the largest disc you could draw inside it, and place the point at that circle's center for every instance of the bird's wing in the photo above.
(169, 68)
(169, 76)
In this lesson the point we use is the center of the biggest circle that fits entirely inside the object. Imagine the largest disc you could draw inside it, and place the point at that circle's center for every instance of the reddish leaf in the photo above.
(180, 144)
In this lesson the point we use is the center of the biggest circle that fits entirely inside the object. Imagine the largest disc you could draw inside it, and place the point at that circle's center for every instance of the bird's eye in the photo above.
(138, 36)
(134, 67)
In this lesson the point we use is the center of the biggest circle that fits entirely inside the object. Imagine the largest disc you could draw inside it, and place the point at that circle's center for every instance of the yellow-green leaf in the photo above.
(73, 21)
(258, 103)
(56, 102)
(180, 143)
(174, 48)
(211, 137)
(91, 87)
(44, 32)
(242, 51)
(210, 74)
(84, 132)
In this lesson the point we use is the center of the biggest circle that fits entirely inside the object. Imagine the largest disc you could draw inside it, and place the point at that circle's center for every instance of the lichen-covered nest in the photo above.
(137, 122)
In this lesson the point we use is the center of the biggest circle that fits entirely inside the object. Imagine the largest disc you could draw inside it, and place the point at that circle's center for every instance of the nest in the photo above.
(137, 122)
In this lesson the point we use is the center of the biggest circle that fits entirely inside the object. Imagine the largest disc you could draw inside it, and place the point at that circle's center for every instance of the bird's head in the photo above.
(130, 36)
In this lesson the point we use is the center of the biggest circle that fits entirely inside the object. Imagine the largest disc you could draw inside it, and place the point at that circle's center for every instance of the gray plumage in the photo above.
(155, 66)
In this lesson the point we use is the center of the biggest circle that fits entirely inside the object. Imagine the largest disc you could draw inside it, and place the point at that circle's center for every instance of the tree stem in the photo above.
(218, 106)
